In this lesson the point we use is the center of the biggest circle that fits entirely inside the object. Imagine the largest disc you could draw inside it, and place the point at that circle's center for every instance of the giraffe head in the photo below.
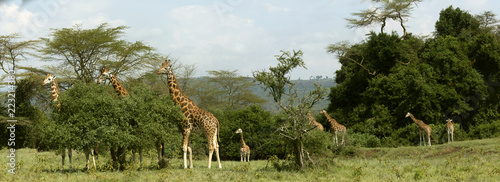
(104, 72)
(449, 120)
(238, 131)
(311, 118)
(322, 111)
(408, 114)
(48, 79)
(165, 68)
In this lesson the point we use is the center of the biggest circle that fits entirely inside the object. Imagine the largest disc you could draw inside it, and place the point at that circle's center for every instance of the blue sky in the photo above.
(241, 35)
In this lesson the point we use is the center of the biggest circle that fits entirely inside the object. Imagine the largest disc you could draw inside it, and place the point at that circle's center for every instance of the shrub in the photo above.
(364, 140)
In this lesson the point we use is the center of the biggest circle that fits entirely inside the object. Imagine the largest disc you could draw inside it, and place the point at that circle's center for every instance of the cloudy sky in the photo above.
(241, 35)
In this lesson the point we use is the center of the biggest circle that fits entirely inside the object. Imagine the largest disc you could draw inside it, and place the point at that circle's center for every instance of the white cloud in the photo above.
(14, 20)
(274, 9)
(196, 34)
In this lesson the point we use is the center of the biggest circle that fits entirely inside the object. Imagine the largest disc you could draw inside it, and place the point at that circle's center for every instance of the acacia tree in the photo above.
(279, 85)
(12, 51)
(397, 10)
(84, 50)
(236, 89)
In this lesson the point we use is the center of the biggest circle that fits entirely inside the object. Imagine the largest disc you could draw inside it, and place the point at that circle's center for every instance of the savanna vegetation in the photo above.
(453, 74)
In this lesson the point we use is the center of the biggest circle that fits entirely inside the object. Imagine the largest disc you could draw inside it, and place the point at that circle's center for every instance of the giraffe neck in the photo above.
(55, 90)
(311, 118)
(118, 86)
(242, 141)
(418, 122)
(330, 119)
(177, 95)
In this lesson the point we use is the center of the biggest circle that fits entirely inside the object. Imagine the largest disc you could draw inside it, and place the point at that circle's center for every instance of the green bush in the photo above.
(486, 130)
(364, 140)
(318, 142)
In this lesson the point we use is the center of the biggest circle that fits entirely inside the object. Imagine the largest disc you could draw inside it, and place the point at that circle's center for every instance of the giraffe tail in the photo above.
(218, 132)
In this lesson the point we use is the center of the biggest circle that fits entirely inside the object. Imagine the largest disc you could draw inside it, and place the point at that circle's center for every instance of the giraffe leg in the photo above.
(451, 135)
(343, 137)
(212, 142)
(242, 155)
(217, 155)
(215, 146)
(448, 136)
(63, 155)
(159, 148)
(336, 139)
(185, 146)
(87, 153)
(93, 157)
(420, 137)
(70, 155)
(210, 153)
(424, 138)
(429, 137)
(248, 156)
(190, 157)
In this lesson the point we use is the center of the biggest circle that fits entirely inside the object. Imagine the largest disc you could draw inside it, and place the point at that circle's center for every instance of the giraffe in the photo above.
(122, 92)
(312, 121)
(422, 127)
(336, 127)
(449, 130)
(55, 94)
(195, 118)
(244, 150)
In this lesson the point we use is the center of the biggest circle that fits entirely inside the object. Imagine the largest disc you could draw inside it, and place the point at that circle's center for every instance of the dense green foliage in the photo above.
(91, 114)
(452, 75)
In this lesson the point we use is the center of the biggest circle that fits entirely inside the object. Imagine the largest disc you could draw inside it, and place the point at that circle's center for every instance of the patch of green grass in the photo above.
(477, 160)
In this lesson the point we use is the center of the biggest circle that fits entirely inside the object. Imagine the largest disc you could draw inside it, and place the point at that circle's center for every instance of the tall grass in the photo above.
(476, 160)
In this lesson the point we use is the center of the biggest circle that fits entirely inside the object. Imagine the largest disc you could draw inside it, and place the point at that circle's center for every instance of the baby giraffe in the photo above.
(449, 129)
(244, 150)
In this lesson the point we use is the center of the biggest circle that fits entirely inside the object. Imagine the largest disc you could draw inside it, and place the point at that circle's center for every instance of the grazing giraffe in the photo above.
(244, 150)
(336, 127)
(422, 127)
(449, 130)
(122, 92)
(195, 118)
(55, 94)
(312, 121)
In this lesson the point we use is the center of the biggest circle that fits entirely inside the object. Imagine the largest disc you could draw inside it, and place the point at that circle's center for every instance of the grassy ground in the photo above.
(477, 160)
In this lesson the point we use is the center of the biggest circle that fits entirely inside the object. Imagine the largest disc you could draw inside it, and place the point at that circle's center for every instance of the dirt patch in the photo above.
(446, 151)
(369, 153)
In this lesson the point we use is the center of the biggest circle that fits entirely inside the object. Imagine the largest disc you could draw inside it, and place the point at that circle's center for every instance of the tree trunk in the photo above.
(118, 157)
(299, 155)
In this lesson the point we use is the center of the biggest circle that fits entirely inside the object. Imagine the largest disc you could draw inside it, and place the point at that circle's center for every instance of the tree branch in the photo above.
(360, 64)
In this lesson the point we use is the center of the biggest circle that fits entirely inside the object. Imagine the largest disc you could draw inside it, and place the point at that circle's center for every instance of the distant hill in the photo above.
(303, 87)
